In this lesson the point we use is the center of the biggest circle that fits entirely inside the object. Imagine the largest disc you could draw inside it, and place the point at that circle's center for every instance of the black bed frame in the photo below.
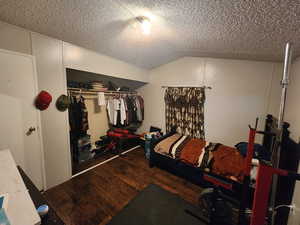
(289, 160)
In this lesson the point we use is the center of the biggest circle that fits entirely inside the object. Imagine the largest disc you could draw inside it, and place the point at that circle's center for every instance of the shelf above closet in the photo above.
(85, 77)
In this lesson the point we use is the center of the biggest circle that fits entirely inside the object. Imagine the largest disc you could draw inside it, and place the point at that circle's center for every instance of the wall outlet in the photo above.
(294, 217)
(293, 209)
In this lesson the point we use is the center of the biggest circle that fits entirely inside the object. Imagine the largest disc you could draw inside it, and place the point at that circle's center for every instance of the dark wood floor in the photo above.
(95, 197)
(78, 167)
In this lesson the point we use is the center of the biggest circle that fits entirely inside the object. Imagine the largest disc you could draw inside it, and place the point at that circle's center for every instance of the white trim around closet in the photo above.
(99, 164)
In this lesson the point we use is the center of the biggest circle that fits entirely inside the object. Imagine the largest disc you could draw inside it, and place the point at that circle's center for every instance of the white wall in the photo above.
(12, 130)
(82, 59)
(14, 38)
(292, 110)
(241, 91)
(52, 57)
(292, 113)
(52, 78)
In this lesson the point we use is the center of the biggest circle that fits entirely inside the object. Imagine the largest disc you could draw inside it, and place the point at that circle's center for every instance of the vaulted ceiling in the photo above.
(241, 29)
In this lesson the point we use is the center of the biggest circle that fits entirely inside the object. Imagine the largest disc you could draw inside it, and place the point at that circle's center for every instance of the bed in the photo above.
(210, 157)
(165, 155)
(195, 174)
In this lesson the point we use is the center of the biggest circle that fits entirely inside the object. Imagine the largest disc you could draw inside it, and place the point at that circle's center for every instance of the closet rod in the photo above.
(206, 87)
(94, 96)
(84, 91)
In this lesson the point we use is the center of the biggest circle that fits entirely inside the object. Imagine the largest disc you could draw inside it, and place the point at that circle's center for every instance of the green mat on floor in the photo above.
(156, 206)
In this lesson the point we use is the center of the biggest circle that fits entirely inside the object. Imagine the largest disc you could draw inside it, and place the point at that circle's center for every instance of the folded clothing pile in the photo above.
(98, 85)
(75, 84)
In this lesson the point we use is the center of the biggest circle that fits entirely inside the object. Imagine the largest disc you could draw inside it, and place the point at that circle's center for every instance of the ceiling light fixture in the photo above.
(145, 24)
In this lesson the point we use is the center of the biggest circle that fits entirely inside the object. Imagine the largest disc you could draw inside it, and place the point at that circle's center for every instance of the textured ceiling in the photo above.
(242, 29)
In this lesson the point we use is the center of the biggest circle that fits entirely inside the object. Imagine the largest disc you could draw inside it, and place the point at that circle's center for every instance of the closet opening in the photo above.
(104, 115)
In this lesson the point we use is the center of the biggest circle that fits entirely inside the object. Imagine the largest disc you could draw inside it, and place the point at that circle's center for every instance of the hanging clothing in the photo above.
(101, 99)
(141, 101)
(110, 110)
(132, 110)
(129, 110)
(84, 116)
(116, 106)
(138, 110)
(78, 117)
(74, 116)
(78, 121)
(126, 111)
(122, 112)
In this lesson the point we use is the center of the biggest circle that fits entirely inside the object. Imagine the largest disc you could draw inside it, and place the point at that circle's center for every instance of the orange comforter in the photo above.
(217, 158)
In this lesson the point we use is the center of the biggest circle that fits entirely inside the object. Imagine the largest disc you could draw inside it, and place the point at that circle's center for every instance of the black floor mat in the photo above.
(156, 206)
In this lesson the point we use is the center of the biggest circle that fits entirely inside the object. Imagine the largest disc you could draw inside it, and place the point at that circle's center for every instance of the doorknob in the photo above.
(30, 130)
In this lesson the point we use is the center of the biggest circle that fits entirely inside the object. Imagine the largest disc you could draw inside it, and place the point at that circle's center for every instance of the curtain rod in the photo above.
(206, 87)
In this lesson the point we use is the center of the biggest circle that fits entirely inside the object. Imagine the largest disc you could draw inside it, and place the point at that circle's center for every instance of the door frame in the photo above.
(38, 114)
(67, 126)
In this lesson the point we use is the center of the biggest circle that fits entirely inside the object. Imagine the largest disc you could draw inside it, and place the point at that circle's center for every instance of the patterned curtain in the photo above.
(185, 110)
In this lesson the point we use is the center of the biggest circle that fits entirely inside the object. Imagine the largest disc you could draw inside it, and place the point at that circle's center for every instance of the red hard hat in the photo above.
(43, 100)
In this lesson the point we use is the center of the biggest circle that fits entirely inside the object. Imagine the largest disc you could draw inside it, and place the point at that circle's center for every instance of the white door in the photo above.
(18, 89)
